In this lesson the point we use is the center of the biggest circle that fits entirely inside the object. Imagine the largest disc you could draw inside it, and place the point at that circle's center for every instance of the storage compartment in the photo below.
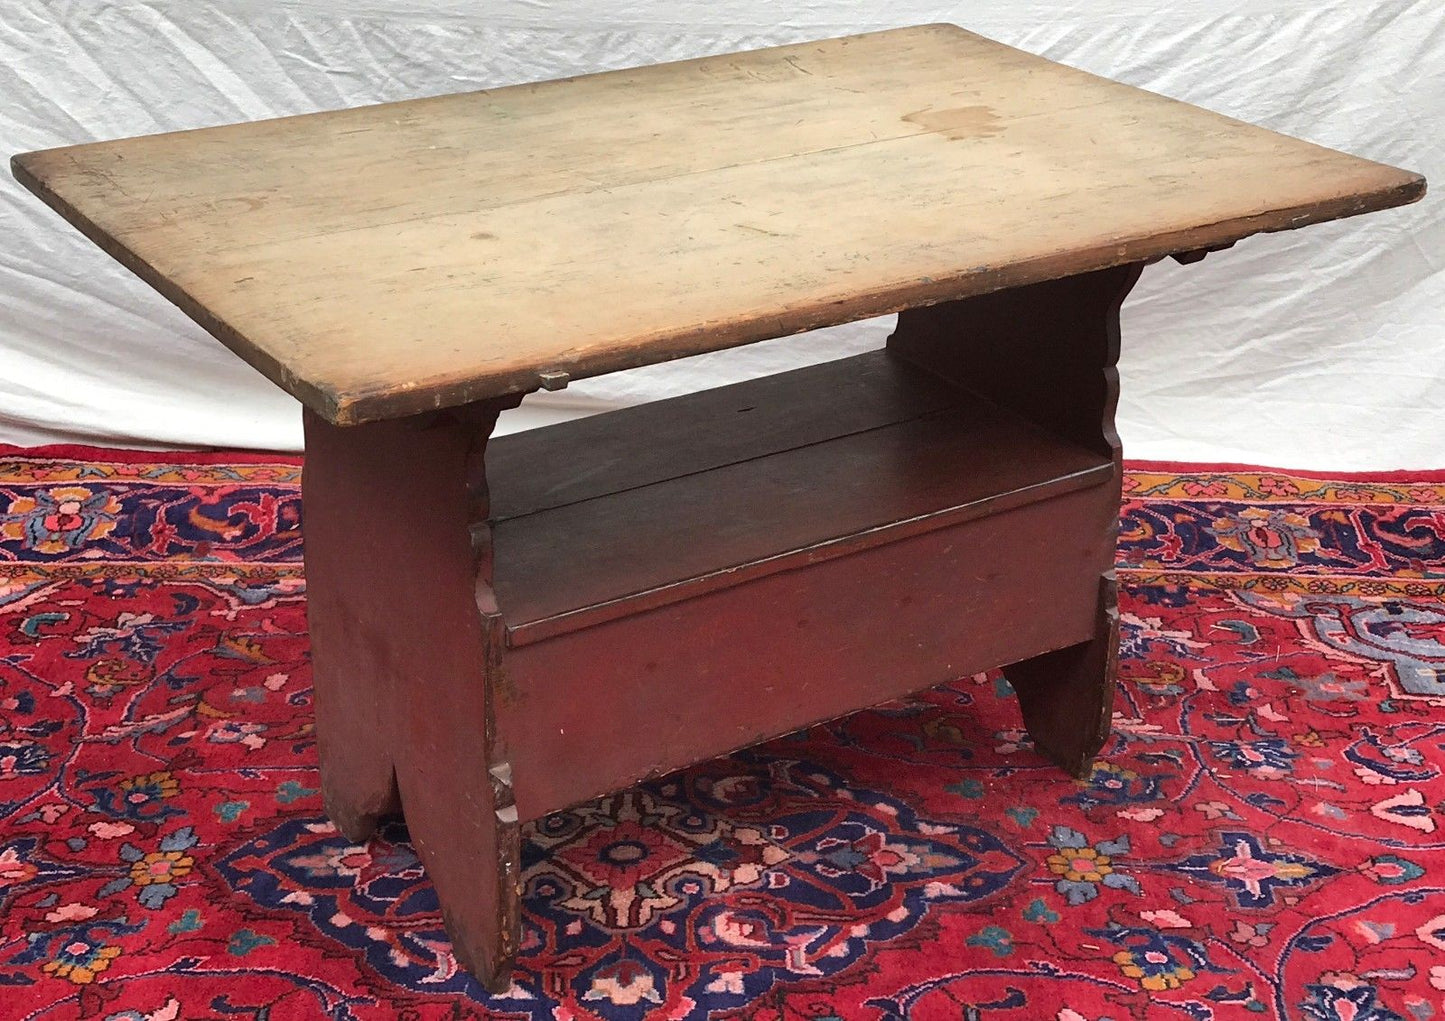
(635, 509)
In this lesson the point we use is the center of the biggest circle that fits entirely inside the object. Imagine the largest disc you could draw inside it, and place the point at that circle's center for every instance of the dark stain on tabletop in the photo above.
(957, 123)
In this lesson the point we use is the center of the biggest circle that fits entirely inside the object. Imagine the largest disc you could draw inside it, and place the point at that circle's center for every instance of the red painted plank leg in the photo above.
(1067, 696)
(1048, 352)
(405, 644)
(351, 686)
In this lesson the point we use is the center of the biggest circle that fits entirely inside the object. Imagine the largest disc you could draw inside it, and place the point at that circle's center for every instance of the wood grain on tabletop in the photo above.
(385, 260)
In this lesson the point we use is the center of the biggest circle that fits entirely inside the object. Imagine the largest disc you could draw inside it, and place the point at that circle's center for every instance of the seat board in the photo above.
(573, 461)
(634, 549)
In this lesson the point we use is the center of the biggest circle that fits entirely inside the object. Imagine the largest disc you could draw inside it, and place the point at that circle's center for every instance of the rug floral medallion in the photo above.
(1263, 837)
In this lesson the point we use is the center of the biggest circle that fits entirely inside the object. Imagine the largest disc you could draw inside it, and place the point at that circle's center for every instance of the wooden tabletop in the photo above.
(390, 259)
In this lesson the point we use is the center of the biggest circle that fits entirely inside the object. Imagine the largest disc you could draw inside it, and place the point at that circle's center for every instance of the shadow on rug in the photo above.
(1261, 838)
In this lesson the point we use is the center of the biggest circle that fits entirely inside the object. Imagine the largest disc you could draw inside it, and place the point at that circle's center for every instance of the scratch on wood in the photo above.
(760, 230)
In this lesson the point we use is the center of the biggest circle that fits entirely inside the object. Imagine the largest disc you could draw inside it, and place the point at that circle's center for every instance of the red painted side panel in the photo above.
(595, 710)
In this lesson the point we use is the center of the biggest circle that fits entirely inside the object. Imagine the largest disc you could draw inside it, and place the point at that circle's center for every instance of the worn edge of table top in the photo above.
(60, 177)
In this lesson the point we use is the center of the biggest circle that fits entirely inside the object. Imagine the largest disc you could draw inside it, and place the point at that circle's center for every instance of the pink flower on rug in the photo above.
(1166, 919)
(75, 912)
(1196, 487)
(110, 830)
(1249, 934)
(1274, 485)
(13, 870)
(1140, 814)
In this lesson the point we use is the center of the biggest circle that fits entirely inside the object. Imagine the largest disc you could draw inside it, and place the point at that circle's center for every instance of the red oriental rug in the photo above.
(1261, 839)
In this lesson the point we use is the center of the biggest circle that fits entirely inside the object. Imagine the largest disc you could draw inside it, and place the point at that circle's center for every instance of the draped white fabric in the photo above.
(1320, 348)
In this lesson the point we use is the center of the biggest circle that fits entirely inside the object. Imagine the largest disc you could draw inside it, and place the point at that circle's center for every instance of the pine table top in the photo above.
(386, 260)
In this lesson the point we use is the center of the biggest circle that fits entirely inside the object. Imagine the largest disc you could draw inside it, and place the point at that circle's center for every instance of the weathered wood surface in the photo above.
(406, 645)
(392, 259)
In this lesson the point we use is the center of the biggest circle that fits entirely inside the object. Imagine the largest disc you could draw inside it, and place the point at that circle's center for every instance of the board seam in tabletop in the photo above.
(622, 186)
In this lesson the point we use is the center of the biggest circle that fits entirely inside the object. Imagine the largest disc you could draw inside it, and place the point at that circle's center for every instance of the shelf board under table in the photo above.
(634, 509)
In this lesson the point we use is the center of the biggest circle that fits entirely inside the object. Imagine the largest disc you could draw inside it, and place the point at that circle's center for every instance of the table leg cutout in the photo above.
(1067, 696)
(356, 796)
(406, 645)
(1048, 352)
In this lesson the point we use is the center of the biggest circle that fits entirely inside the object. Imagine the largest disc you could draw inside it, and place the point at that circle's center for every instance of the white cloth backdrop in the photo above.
(1323, 348)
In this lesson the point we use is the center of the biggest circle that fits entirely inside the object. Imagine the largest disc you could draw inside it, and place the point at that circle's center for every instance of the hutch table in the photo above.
(503, 628)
